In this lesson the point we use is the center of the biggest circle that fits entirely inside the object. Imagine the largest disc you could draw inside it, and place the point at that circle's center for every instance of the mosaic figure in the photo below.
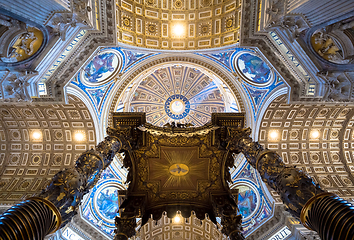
(101, 67)
(107, 202)
(247, 201)
(253, 68)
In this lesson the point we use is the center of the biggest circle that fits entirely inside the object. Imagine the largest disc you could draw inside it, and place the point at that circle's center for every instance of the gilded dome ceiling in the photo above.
(178, 24)
(178, 93)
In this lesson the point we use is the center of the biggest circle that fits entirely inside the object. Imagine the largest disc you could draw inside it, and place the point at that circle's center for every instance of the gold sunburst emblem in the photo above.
(179, 169)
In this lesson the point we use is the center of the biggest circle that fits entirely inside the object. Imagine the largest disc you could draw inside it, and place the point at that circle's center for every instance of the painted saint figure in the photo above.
(254, 68)
(99, 65)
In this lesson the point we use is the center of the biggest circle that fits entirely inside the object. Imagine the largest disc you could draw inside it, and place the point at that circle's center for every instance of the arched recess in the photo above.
(276, 93)
(38, 141)
(315, 138)
(76, 91)
(141, 69)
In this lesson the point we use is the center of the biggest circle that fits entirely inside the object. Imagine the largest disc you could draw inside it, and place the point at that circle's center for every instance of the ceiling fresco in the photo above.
(101, 68)
(253, 68)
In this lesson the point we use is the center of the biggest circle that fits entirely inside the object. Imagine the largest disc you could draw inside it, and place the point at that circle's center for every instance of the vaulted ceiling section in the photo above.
(38, 141)
(317, 139)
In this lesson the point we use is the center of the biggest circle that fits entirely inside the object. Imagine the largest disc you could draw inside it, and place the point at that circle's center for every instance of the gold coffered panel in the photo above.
(202, 23)
(36, 142)
(317, 139)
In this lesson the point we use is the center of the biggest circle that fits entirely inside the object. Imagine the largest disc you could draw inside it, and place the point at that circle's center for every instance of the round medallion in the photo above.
(152, 28)
(107, 202)
(205, 28)
(247, 200)
(177, 106)
(229, 22)
(126, 22)
(253, 68)
(101, 68)
(23, 45)
(179, 169)
(178, 4)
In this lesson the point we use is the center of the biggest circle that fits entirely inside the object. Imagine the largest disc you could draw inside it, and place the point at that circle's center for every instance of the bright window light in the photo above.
(79, 136)
(273, 135)
(36, 135)
(178, 30)
(177, 219)
(315, 134)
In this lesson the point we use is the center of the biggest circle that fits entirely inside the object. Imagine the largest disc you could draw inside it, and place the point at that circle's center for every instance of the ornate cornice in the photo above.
(93, 40)
(86, 228)
(272, 225)
(250, 37)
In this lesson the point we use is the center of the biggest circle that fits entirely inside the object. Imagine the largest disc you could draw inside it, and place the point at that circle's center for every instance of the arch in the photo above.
(192, 59)
(76, 91)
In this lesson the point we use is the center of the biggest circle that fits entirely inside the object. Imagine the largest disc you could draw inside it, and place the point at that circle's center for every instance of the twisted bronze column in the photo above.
(327, 214)
(31, 219)
(231, 223)
(57, 204)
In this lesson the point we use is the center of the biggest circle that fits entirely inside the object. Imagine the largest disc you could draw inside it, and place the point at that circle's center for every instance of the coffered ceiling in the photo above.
(317, 139)
(38, 141)
(178, 24)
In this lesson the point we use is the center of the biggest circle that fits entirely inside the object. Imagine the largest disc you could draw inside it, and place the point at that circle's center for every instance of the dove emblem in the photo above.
(179, 169)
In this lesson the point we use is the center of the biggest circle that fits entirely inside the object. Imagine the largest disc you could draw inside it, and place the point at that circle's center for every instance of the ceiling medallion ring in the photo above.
(249, 199)
(177, 107)
(105, 201)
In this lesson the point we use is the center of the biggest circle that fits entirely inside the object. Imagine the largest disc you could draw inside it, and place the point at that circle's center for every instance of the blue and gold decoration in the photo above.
(102, 67)
(107, 202)
(178, 93)
(177, 107)
(101, 206)
(253, 68)
(184, 94)
(247, 200)
(254, 205)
